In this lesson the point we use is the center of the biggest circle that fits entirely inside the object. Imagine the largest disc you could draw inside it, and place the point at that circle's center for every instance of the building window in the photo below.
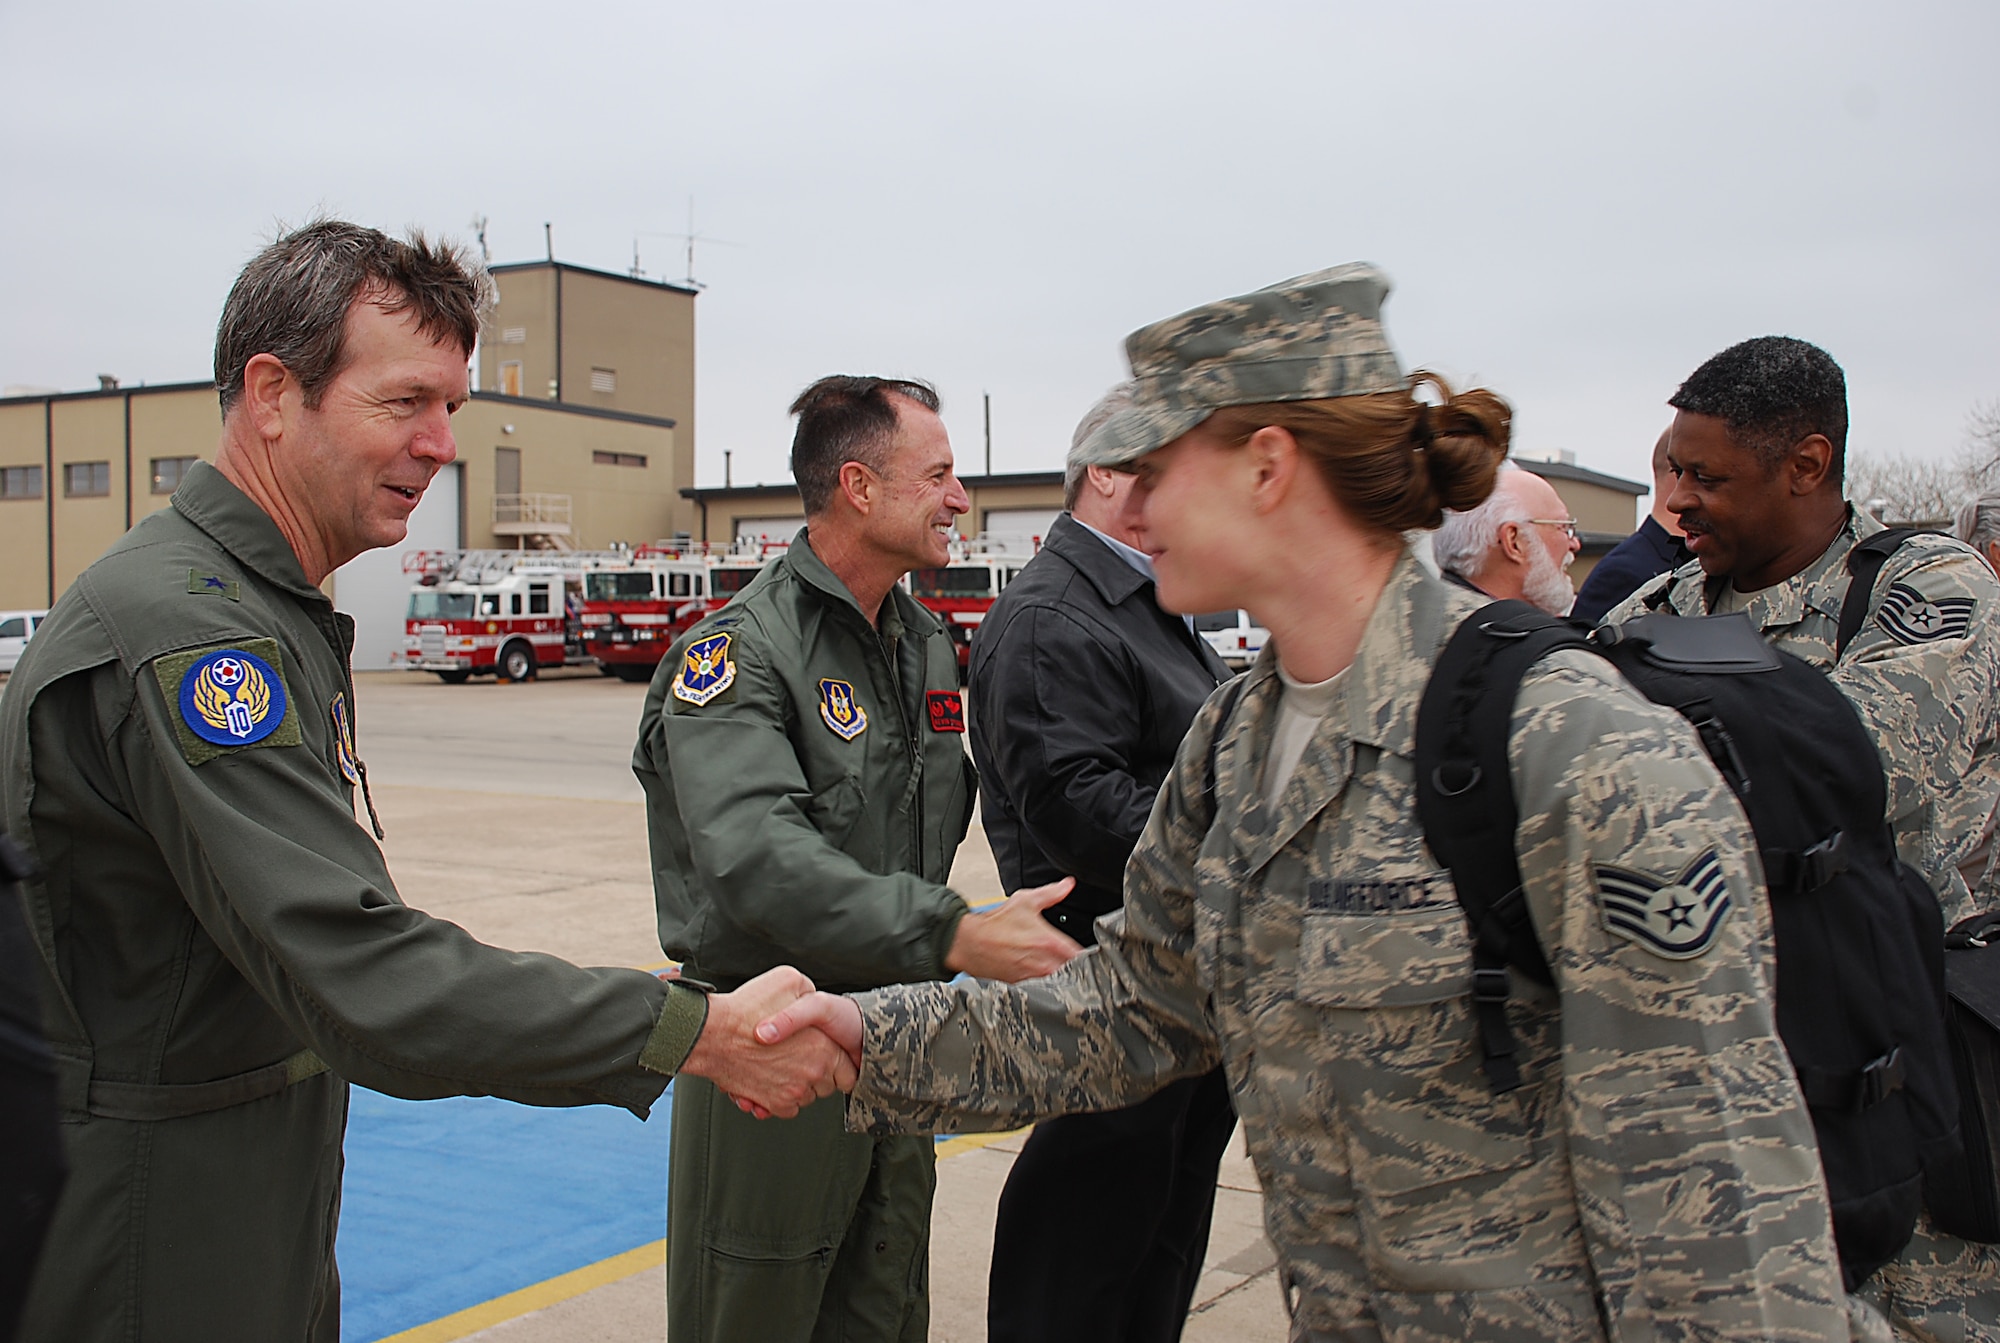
(83, 480)
(20, 482)
(604, 380)
(168, 472)
(618, 458)
(510, 378)
(513, 335)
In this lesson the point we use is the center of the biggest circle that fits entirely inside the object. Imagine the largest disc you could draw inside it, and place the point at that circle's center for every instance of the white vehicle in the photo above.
(16, 628)
(1235, 640)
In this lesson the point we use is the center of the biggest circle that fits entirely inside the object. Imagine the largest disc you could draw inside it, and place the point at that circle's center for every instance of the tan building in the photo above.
(591, 338)
(1606, 508)
(1017, 507)
(77, 469)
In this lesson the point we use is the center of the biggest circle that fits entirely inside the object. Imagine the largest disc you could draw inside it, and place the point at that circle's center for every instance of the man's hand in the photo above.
(1013, 942)
(776, 1079)
(835, 1017)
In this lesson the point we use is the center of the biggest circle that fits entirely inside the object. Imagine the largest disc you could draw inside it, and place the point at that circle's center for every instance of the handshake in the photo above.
(776, 1045)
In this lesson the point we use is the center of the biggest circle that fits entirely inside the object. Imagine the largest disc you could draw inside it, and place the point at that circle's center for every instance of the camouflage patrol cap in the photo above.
(1303, 339)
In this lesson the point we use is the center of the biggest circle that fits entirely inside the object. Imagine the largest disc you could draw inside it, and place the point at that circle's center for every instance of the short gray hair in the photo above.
(1978, 521)
(1461, 542)
(1107, 405)
(291, 301)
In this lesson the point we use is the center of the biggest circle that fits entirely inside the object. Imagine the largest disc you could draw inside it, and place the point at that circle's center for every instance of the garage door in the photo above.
(1018, 531)
(372, 586)
(770, 529)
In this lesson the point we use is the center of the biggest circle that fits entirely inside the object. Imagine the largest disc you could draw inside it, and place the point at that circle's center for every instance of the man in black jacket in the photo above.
(1081, 689)
(1656, 548)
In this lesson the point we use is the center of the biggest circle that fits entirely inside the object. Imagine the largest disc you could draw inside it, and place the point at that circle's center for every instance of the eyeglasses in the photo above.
(1567, 524)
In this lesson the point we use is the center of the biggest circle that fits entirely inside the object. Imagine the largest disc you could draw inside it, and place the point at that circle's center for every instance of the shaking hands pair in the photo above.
(776, 1045)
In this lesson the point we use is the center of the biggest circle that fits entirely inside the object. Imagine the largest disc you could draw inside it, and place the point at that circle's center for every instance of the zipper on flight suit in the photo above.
(329, 629)
(891, 648)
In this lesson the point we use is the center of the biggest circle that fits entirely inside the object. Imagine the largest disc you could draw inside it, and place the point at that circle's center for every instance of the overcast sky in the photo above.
(1577, 202)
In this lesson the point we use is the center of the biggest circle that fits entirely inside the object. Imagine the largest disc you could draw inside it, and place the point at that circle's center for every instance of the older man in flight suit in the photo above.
(806, 787)
(221, 949)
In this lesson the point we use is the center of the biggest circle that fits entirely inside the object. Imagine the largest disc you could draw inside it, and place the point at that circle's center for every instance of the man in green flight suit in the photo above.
(802, 752)
(220, 949)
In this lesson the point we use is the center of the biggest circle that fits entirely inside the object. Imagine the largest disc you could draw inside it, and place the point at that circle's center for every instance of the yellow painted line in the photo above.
(968, 1142)
(604, 1272)
(538, 1297)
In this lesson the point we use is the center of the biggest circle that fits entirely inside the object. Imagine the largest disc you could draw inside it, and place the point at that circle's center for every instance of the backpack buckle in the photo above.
(1489, 984)
(1823, 861)
(1881, 1079)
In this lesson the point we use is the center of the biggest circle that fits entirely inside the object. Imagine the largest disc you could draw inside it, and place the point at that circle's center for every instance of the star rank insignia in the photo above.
(1677, 918)
(1909, 617)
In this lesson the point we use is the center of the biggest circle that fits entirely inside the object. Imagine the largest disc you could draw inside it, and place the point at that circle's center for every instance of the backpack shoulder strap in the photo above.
(1232, 691)
(1865, 563)
(1465, 802)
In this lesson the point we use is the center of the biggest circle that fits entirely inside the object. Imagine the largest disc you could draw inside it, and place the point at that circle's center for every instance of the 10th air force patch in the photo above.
(227, 698)
(838, 707)
(1677, 918)
(706, 670)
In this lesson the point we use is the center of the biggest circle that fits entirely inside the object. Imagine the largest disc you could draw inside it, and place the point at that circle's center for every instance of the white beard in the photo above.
(1547, 586)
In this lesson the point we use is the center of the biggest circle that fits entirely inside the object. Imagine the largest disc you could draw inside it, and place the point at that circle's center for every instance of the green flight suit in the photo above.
(806, 787)
(222, 950)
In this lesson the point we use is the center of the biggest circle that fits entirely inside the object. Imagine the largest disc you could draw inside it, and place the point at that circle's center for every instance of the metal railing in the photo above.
(532, 512)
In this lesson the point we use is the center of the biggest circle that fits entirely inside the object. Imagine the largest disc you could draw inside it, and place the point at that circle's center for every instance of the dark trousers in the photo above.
(1104, 1221)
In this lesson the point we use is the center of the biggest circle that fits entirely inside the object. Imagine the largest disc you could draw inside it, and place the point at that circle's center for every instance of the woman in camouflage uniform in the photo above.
(1655, 1177)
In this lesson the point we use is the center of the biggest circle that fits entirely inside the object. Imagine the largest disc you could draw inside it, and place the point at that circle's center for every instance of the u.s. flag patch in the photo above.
(1676, 918)
(706, 670)
(1909, 617)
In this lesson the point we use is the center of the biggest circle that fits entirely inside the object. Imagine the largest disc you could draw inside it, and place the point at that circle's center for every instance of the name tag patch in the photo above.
(1677, 918)
(1345, 895)
(947, 710)
(706, 670)
(840, 710)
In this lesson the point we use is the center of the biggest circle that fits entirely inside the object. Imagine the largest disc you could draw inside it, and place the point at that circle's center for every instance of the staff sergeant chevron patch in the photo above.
(1676, 918)
(1912, 618)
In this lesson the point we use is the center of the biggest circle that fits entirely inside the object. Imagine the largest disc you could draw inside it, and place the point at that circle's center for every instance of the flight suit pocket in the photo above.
(834, 809)
(1432, 1150)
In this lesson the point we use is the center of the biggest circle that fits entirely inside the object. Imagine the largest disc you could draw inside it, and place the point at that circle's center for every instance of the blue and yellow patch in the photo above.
(706, 670)
(224, 699)
(840, 710)
(343, 741)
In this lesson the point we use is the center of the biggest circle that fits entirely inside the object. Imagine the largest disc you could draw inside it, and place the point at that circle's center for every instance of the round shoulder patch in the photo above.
(232, 698)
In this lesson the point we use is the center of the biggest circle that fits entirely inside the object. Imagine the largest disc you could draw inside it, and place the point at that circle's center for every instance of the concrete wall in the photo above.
(609, 503)
(641, 330)
(24, 553)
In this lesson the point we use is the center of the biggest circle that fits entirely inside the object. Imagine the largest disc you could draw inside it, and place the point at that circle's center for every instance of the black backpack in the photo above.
(1859, 935)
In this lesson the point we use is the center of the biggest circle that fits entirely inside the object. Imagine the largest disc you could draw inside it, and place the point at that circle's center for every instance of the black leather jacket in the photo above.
(1081, 690)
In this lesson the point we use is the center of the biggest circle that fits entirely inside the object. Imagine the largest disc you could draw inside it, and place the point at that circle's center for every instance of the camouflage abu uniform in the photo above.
(1654, 1178)
(1924, 672)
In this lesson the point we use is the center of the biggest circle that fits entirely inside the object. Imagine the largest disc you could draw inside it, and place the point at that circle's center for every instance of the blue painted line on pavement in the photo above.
(451, 1203)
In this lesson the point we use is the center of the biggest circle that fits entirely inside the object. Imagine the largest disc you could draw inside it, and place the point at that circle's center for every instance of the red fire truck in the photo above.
(494, 612)
(631, 615)
(962, 592)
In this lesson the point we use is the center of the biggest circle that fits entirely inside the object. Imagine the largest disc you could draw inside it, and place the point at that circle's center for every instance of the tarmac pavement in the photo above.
(512, 811)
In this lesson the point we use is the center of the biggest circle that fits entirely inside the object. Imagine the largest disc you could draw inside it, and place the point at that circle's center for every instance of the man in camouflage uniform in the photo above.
(1653, 1178)
(219, 948)
(1757, 448)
